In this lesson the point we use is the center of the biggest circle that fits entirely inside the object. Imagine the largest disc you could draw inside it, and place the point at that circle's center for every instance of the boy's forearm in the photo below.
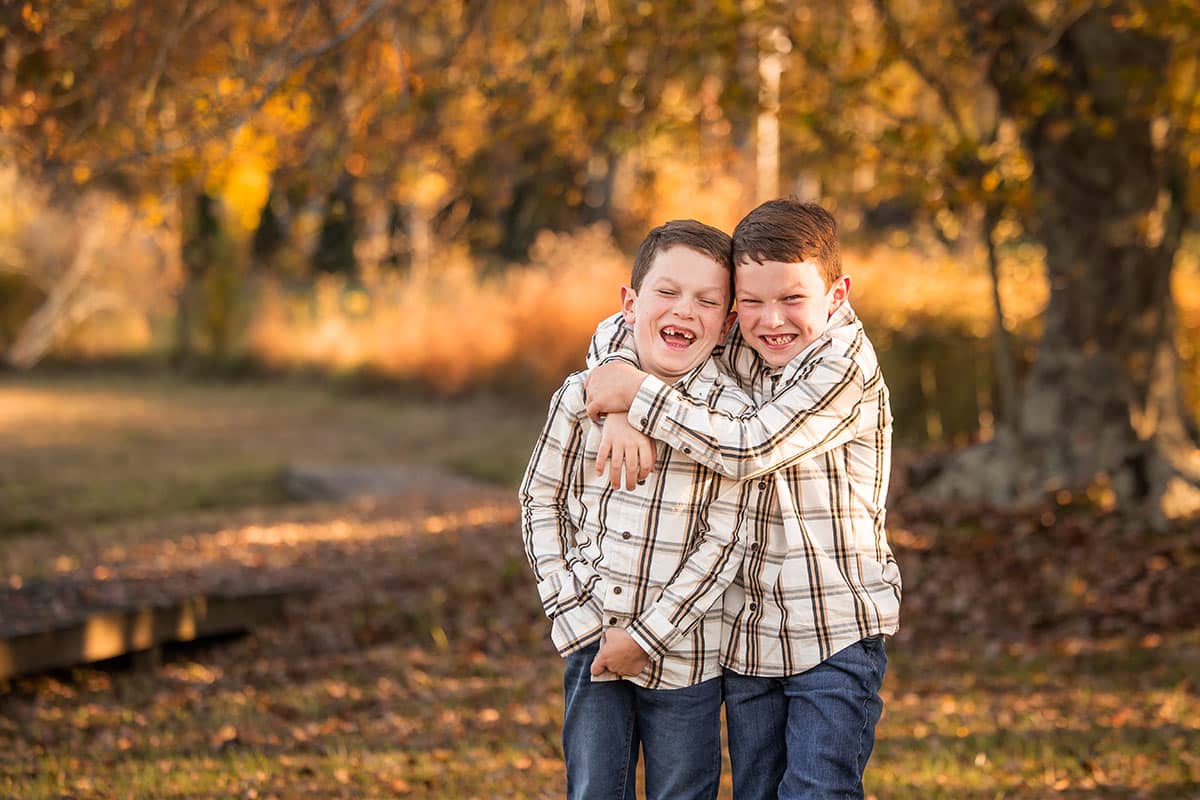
(611, 388)
(612, 341)
(807, 418)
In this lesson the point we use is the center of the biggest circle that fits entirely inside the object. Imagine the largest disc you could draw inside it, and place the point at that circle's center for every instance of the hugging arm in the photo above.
(612, 341)
(622, 448)
(816, 411)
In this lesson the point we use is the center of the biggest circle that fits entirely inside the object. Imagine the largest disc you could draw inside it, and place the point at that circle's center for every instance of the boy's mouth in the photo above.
(780, 340)
(677, 338)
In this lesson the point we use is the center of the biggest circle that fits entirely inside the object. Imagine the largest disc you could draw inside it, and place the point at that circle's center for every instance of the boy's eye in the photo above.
(708, 302)
(746, 301)
(666, 292)
(792, 298)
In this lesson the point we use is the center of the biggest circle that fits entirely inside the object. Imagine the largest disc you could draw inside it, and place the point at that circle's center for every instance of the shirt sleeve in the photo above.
(703, 577)
(566, 583)
(612, 341)
(815, 412)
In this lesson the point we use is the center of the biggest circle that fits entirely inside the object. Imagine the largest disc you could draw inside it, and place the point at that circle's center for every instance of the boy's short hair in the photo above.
(690, 233)
(790, 231)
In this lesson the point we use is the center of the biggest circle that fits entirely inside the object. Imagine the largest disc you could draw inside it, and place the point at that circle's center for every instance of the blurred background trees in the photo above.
(186, 172)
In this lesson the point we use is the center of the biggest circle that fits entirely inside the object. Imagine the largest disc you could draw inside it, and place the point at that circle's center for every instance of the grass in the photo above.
(101, 449)
(423, 669)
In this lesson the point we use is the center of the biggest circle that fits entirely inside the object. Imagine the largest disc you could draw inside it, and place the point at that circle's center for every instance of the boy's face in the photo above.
(782, 307)
(680, 313)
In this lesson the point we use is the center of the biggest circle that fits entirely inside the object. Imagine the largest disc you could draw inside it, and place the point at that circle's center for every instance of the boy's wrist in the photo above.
(653, 632)
(648, 405)
(612, 387)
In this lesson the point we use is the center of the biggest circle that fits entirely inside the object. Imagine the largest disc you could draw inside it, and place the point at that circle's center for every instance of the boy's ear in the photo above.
(628, 298)
(730, 318)
(838, 293)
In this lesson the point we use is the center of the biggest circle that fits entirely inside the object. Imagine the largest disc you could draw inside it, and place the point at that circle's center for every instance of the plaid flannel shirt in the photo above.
(655, 561)
(819, 575)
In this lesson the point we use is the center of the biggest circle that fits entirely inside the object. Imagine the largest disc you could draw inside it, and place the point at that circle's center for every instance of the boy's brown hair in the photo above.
(689, 233)
(790, 231)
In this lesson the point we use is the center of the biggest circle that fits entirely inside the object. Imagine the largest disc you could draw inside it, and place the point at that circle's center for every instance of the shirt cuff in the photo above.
(649, 405)
(577, 627)
(548, 590)
(562, 591)
(654, 633)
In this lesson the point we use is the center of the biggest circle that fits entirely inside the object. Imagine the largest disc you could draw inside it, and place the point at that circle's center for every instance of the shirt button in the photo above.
(762, 484)
(644, 421)
(687, 449)
(753, 606)
(616, 590)
(626, 535)
(754, 545)
(612, 620)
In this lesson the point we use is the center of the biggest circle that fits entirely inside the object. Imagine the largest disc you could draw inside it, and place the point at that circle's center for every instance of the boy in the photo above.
(805, 619)
(630, 580)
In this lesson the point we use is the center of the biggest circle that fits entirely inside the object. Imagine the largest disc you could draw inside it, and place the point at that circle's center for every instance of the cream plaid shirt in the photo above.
(818, 574)
(655, 561)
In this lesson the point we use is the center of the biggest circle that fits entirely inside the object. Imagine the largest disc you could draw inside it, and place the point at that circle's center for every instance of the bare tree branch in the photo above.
(892, 29)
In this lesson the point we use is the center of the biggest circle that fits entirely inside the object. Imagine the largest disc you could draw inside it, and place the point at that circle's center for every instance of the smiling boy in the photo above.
(630, 580)
(805, 619)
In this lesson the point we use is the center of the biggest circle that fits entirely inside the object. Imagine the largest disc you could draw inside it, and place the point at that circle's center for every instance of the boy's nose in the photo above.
(685, 308)
(773, 317)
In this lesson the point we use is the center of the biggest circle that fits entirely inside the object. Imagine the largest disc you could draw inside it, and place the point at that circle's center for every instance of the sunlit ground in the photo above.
(1034, 661)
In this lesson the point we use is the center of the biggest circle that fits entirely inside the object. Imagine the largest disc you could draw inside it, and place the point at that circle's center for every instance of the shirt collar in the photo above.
(841, 323)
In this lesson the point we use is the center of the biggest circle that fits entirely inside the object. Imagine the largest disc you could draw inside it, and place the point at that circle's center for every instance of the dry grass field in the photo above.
(1052, 657)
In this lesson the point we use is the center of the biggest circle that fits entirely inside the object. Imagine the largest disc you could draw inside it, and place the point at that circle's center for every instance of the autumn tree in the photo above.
(1103, 100)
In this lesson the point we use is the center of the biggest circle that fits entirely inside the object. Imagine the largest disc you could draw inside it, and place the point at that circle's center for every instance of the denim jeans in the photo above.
(606, 722)
(809, 735)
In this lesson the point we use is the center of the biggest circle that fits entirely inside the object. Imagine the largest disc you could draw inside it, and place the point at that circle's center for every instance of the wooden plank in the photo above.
(113, 633)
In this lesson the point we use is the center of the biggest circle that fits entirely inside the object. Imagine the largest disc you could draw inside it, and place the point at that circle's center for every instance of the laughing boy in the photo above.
(631, 579)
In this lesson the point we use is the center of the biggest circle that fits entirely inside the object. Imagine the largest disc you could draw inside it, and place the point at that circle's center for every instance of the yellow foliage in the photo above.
(290, 112)
(242, 178)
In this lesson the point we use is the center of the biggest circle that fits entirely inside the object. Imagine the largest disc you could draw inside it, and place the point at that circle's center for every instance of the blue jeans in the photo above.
(605, 723)
(809, 735)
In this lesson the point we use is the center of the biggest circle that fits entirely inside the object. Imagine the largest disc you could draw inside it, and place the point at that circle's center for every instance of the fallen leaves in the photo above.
(422, 668)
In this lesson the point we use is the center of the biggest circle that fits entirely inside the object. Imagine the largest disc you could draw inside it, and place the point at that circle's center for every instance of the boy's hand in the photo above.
(611, 388)
(619, 654)
(626, 448)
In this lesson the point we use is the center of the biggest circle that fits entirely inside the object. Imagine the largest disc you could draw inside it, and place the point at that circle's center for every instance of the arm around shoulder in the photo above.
(817, 410)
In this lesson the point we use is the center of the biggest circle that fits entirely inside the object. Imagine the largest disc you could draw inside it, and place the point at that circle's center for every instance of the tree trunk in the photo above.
(1103, 401)
(40, 332)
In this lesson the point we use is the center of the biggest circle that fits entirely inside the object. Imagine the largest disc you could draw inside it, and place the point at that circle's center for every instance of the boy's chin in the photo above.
(666, 366)
(776, 358)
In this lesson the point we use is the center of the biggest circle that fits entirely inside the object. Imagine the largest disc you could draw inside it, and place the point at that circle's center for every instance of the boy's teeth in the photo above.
(677, 332)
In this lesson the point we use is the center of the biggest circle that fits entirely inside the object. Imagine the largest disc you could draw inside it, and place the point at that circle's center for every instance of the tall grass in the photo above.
(448, 327)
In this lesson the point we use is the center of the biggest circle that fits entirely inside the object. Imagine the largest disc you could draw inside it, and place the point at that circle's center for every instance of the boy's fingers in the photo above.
(602, 455)
(645, 459)
(631, 468)
(616, 463)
